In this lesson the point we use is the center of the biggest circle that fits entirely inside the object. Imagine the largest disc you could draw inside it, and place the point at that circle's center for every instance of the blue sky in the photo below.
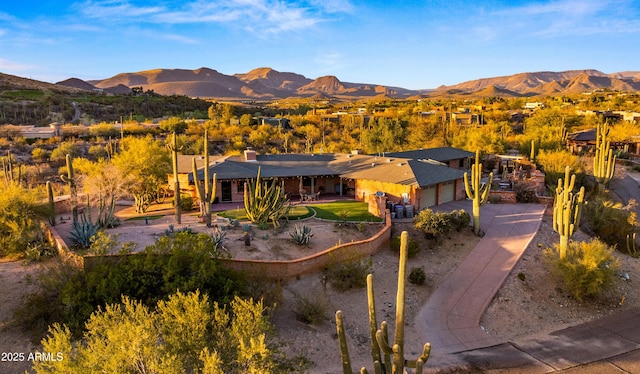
(410, 44)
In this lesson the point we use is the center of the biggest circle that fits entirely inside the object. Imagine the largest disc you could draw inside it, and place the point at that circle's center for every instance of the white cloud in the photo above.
(6, 65)
(570, 17)
(262, 16)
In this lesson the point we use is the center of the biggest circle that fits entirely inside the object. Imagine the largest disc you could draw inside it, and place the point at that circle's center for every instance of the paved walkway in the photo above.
(450, 320)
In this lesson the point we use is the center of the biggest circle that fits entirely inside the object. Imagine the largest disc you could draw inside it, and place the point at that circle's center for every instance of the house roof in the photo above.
(441, 154)
(583, 136)
(390, 169)
(418, 173)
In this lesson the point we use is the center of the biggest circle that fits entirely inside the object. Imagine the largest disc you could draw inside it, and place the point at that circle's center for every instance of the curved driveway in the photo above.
(450, 320)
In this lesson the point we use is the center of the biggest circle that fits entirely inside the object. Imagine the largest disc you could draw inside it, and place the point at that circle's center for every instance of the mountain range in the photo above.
(269, 84)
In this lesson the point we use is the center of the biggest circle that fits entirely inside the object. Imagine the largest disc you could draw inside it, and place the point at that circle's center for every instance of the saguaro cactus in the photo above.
(604, 162)
(70, 179)
(206, 193)
(567, 210)
(387, 358)
(8, 170)
(52, 207)
(176, 182)
(532, 156)
(477, 191)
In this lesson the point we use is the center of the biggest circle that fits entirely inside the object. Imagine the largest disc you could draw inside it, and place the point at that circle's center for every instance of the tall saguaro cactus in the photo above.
(176, 182)
(604, 162)
(51, 204)
(206, 193)
(387, 358)
(567, 210)
(477, 191)
(70, 179)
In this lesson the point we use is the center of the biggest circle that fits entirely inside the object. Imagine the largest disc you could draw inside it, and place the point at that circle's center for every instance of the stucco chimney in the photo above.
(249, 155)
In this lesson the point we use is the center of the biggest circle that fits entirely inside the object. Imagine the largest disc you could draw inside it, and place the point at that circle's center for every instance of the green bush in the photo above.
(461, 219)
(186, 202)
(610, 221)
(588, 269)
(413, 246)
(433, 224)
(183, 261)
(436, 224)
(525, 192)
(417, 276)
(348, 274)
(312, 309)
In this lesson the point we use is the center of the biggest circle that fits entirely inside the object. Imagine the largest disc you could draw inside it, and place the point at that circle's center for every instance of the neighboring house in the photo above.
(422, 178)
(585, 141)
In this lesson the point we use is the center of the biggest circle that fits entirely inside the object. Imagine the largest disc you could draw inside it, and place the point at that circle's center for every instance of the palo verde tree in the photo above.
(477, 191)
(187, 333)
(387, 358)
(146, 163)
(207, 191)
(567, 209)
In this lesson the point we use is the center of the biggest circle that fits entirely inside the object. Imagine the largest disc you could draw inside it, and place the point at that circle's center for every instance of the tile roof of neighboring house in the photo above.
(441, 154)
(583, 136)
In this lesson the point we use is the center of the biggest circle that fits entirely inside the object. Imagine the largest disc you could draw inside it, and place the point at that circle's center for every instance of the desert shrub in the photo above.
(417, 276)
(183, 261)
(436, 224)
(610, 221)
(39, 251)
(348, 274)
(186, 202)
(461, 219)
(525, 192)
(588, 269)
(312, 309)
(553, 163)
(413, 249)
(433, 224)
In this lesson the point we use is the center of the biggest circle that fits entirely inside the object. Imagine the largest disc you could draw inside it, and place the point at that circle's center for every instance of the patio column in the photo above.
(313, 185)
(340, 186)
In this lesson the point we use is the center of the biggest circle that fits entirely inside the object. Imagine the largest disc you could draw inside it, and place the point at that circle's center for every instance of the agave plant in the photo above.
(301, 234)
(218, 235)
(82, 232)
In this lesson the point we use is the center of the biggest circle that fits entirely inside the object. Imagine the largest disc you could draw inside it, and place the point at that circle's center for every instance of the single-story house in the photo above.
(421, 178)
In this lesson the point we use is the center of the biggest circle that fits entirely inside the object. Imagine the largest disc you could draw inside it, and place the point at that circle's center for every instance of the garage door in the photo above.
(447, 192)
(428, 197)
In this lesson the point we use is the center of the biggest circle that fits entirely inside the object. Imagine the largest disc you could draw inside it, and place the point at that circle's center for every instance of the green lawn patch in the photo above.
(295, 213)
(140, 218)
(356, 211)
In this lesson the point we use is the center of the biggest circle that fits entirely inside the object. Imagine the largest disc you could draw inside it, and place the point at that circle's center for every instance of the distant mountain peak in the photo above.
(268, 83)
